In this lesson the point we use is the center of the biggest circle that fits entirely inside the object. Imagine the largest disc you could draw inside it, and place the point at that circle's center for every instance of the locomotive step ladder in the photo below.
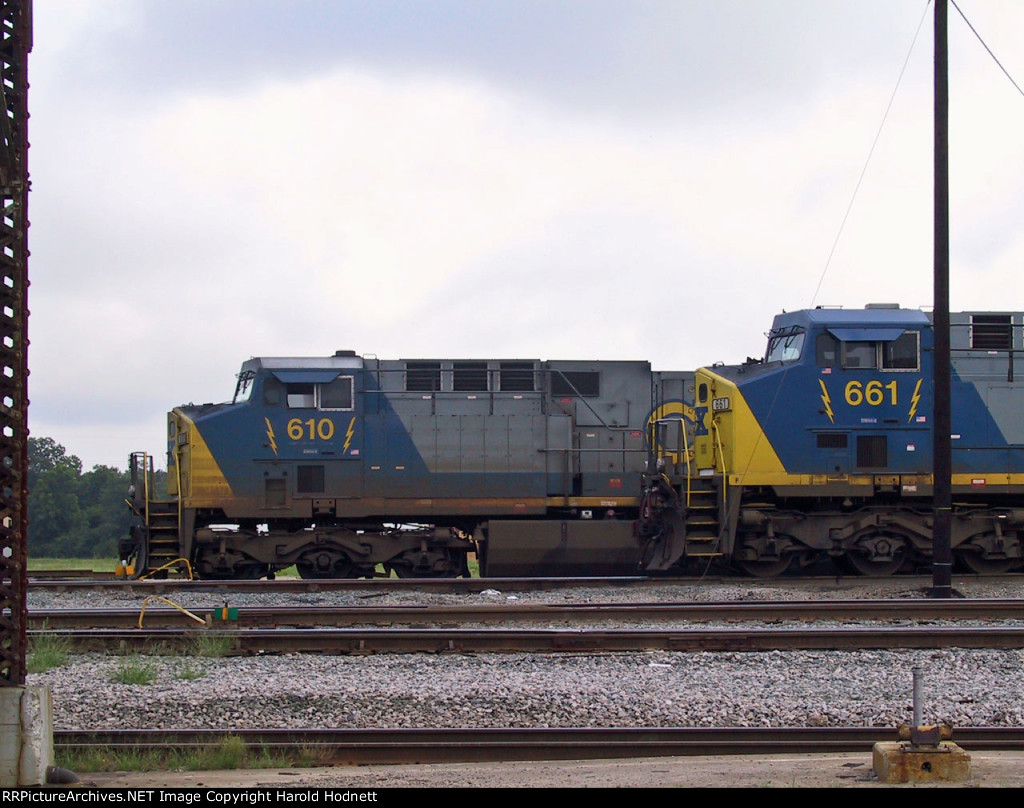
(701, 522)
(159, 518)
(162, 530)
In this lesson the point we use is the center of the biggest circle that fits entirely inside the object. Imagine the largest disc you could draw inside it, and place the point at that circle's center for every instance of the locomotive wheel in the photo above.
(453, 565)
(979, 565)
(761, 557)
(232, 567)
(325, 564)
(879, 555)
(862, 565)
(240, 572)
(765, 568)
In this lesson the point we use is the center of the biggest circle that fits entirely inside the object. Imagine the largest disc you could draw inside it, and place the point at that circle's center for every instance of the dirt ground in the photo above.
(988, 770)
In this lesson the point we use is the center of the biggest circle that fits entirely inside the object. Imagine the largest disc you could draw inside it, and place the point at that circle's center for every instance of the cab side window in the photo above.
(825, 350)
(335, 395)
(902, 353)
(860, 355)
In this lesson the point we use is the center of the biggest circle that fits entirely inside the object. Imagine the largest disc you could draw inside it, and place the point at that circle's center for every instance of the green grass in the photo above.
(95, 564)
(230, 752)
(134, 670)
(211, 646)
(46, 651)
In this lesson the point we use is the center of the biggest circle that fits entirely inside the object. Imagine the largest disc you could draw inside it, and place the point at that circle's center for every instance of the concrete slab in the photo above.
(901, 762)
(26, 735)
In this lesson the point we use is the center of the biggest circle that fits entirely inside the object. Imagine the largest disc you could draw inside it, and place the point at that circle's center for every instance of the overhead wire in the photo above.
(987, 48)
(867, 162)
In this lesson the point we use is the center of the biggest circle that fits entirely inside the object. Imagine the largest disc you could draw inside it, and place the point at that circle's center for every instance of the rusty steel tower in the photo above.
(15, 44)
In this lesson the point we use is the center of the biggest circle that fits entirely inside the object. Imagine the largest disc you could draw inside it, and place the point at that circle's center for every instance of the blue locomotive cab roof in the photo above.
(294, 370)
(793, 334)
(867, 319)
(866, 334)
(871, 324)
(310, 376)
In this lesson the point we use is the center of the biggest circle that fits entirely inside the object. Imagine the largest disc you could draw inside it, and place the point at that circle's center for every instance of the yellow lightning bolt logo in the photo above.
(915, 400)
(827, 401)
(270, 435)
(349, 433)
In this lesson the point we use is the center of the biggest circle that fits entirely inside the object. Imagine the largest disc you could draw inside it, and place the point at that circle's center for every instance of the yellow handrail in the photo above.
(721, 455)
(173, 605)
(181, 494)
(689, 469)
(167, 566)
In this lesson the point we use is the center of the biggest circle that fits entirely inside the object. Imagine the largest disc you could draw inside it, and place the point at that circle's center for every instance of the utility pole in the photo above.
(942, 421)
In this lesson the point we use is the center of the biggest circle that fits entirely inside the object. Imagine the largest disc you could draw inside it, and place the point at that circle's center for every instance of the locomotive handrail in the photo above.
(144, 457)
(689, 469)
(582, 451)
(181, 495)
(721, 455)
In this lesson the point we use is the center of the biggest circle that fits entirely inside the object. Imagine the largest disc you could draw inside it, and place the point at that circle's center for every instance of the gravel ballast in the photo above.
(654, 689)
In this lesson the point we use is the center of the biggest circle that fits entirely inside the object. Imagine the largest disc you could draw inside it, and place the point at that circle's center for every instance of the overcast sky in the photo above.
(560, 179)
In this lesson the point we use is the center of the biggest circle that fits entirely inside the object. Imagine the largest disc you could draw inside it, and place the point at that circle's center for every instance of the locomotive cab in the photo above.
(823, 448)
(839, 403)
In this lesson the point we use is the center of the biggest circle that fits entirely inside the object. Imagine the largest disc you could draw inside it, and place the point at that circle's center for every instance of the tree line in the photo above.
(71, 513)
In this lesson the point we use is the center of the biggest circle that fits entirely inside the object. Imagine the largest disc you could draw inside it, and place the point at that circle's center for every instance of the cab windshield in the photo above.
(785, 345)
(243, 387)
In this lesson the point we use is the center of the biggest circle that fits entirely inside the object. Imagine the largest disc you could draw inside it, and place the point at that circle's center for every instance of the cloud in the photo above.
(613, 198)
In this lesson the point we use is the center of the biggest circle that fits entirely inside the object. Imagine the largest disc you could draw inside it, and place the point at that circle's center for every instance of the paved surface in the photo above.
(988, 770)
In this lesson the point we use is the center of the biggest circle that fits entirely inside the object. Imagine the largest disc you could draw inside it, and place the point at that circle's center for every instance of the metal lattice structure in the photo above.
(15, 44)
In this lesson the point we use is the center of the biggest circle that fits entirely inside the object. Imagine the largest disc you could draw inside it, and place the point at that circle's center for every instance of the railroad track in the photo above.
(441, 615)
(430, 640)
(393, 746)
(358, 585)
(69, 574)
(377, 586)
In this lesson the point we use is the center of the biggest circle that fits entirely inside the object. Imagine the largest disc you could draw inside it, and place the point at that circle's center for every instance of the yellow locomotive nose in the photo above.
(192, 472)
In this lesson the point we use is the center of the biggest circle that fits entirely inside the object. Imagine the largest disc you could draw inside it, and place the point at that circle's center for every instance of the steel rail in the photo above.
(451, 745)
(69, 574)
(393, 640)
(337, 616)
(367, 587)
(376, 586)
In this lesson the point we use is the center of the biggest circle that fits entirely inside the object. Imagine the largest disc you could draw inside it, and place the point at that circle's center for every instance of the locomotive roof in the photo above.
(304, 362)
(866, 317)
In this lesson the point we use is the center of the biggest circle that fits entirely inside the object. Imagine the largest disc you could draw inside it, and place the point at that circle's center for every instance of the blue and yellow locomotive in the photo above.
(349, 466)
(824, 448)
